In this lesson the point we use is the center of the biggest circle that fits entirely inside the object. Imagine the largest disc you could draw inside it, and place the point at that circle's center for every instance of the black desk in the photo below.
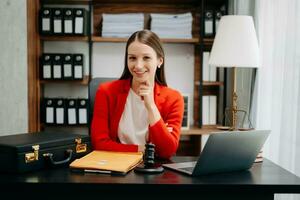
(260, 182)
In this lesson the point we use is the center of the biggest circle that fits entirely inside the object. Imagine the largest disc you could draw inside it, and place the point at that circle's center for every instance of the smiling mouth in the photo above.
(140, 73)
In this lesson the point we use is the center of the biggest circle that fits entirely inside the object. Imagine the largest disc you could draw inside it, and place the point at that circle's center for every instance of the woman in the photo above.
(139, 107)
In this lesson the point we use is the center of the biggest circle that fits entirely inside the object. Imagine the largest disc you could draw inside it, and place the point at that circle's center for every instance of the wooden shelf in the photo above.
(146, 2)
(201, 131)
(84, 81)
(65, 38)
(212, 83)
(79, 2)
(167, 40)
(43, 126)
(208, 41)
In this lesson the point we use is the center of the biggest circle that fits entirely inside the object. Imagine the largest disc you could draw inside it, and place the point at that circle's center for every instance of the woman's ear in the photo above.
(160, 62)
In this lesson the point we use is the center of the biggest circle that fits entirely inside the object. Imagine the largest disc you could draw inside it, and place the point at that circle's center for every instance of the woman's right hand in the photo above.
(141, 148)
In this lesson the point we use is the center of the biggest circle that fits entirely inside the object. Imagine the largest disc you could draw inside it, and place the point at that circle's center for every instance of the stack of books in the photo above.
(259, 157)
(121, 25)
(172, 25)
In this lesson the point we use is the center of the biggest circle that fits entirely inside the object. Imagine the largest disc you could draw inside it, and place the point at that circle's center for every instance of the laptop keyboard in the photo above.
(189, 169)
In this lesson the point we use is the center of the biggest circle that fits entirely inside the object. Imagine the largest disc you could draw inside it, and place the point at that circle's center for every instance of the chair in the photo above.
(93, 86)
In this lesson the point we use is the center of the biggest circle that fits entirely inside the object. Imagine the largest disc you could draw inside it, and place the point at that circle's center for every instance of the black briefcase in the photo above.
(34, 151)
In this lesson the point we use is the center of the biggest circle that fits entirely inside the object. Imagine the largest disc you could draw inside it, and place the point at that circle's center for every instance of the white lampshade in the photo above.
(235, 44)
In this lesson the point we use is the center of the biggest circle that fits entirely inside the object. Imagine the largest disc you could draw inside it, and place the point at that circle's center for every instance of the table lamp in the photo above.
(235, 45)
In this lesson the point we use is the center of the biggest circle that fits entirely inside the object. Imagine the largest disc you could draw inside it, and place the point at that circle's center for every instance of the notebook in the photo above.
(225, 152)
(107, 162)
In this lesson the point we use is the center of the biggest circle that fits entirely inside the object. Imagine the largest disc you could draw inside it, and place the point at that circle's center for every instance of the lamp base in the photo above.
(233, 126)
(225, 128)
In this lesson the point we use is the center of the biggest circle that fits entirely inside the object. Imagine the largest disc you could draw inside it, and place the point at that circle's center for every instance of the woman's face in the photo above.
(142, 62)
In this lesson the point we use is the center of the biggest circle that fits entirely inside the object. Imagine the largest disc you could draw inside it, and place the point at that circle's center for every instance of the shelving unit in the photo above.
(123, 40)
(97, 7)
(85, 81)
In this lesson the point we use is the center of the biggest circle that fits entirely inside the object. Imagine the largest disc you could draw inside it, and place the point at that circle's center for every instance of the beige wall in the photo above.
(13, 66)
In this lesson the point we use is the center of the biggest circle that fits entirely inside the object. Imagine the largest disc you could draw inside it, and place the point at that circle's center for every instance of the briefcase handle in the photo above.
(49, 157)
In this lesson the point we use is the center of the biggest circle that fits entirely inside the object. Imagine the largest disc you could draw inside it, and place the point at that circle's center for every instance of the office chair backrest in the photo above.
(93, 86)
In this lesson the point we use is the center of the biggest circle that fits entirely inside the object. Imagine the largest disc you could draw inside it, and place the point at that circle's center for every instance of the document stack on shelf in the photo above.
(259, 157)
(172, 25)
(209, 110)
(121, 25)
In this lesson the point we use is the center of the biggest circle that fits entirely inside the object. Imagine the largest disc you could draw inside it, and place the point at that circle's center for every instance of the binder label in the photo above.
(59, 115)
(57, 26)
(56, 71)
(71, 116)
(67, 70)
(82, 116)
(79, 25)
(46, 24)
(68, 26)
(46, 71)
(78, 71)
(49, 115)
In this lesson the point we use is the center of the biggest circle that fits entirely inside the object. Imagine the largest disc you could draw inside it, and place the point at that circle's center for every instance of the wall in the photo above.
(13, 66)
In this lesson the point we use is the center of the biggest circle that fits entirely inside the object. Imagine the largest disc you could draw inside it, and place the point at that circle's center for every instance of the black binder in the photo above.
(48, 111)
(78, 66)
(60, 111)
(57, 66)
(57, 21)
(68, 21)
(72, 111)
(80, 21)
(185, 120)
(82, 111)
(45, 19)
(218, 15)
(67, 63)
(46, 66)
(209, 23)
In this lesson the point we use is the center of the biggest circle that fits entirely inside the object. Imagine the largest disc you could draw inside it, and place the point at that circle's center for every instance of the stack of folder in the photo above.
(121, 25)
(107, 162)
(172, 25)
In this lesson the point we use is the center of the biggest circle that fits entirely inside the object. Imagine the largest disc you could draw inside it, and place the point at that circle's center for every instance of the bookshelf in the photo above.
(97, 7)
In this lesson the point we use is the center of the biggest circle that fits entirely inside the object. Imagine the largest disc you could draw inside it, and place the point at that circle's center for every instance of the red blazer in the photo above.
(109, 105)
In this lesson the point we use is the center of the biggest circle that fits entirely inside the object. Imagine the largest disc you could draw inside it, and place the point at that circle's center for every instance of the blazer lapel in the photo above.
(158, 97)
(120, 104)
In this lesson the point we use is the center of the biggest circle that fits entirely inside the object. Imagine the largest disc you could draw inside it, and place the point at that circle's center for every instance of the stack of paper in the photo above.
(209, 110)
(209, 71)
(108, 162)
(121, 25)
(172, 25)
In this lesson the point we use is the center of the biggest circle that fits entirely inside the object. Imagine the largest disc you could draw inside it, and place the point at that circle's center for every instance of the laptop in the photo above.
(225, 152)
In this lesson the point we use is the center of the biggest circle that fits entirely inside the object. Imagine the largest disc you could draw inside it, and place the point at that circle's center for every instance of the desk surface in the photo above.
(262, 178)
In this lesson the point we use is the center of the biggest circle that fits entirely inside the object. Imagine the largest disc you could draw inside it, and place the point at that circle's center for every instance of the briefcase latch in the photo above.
(80, 148)
(32, 156)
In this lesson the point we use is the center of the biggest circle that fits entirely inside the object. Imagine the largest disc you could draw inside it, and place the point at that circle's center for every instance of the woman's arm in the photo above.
(165, 133)
(101, 134)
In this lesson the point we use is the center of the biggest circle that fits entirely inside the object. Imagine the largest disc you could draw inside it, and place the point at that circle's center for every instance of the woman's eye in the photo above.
(147, 58)
(131, 58)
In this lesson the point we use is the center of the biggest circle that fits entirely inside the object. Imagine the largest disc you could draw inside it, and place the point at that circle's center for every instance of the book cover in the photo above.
(108, 162)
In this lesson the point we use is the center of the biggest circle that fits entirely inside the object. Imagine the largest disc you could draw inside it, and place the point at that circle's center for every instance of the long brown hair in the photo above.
(152, 40)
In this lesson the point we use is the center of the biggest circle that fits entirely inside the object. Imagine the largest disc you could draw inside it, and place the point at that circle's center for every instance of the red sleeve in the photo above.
(166, 143)
(101, 134)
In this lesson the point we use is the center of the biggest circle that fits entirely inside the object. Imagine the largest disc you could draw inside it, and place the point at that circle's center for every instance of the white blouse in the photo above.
(133, 125)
